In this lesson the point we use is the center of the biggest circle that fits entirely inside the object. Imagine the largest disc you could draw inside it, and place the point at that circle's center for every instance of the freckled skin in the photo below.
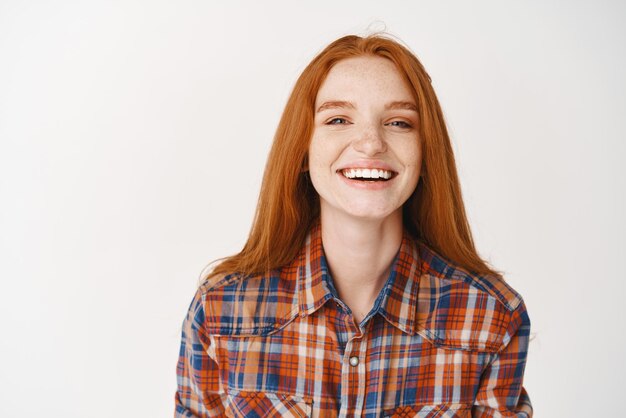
(366, 132)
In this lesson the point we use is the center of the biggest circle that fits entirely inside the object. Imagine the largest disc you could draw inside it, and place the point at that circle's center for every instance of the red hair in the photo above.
(288, 204)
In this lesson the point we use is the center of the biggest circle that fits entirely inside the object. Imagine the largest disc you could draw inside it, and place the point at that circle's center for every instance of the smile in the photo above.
(367, 174)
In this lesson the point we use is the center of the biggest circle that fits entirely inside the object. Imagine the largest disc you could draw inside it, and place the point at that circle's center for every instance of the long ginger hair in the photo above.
(288, 204)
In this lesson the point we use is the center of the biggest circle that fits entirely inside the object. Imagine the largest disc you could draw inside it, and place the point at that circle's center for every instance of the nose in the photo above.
(370, 141)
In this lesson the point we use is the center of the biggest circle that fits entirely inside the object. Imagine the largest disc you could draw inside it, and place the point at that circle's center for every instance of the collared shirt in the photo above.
(438, 342)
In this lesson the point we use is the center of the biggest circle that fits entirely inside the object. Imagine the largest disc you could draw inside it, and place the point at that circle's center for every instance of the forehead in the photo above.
(374, 76)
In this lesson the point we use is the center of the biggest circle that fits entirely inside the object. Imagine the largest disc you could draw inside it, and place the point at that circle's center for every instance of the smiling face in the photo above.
(365, 155)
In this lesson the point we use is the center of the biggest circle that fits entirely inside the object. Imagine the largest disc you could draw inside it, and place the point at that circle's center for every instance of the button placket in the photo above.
(353, 377)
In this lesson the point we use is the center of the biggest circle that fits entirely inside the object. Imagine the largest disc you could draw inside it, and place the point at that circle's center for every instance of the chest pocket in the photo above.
(259, 404)
(431, 411)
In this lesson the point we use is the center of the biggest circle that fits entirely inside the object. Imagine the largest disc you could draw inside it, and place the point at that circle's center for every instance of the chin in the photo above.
(367, 214)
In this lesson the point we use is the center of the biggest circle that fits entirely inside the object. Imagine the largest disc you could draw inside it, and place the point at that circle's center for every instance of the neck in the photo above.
(360, 254)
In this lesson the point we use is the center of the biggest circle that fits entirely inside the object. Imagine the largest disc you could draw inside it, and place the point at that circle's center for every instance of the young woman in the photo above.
(359, 291)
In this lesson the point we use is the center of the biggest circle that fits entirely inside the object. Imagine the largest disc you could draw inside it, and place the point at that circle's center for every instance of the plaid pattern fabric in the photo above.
(439, 342)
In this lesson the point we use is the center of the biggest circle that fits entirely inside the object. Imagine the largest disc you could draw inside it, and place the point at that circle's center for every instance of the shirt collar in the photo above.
(313, 290)
(397, 301)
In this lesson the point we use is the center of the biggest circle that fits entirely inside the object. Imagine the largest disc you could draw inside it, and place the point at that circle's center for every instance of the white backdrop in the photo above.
(133, 136)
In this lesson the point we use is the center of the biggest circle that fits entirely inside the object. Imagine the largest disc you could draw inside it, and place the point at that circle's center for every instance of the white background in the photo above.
(133, 137)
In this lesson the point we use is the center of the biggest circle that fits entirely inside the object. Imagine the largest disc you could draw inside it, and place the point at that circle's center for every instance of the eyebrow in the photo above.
(340, 104)
(335, 104)
(401, 105)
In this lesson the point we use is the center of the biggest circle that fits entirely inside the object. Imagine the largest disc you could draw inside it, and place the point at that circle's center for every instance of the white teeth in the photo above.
(366, 173)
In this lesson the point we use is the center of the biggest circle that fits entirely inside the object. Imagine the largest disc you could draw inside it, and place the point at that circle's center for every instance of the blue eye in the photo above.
(337, 121)
(400, 124)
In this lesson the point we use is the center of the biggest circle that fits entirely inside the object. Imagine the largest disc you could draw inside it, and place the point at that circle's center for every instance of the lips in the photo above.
(367, 174)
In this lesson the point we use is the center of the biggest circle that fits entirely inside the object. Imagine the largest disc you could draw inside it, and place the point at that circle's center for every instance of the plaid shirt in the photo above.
(438, 342)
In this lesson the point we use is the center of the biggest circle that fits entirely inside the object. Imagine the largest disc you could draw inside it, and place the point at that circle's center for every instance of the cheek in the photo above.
(315, 162)
(322, 154)
(314, 150)
(412, 155)
(413, 161)
(416, 151)
(317, 165)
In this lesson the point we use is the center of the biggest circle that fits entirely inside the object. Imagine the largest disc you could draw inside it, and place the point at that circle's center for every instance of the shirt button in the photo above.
(354, 361)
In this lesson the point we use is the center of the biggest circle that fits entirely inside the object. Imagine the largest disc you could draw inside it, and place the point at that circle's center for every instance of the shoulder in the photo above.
(460, 309)
(259, 304)
(445, 271)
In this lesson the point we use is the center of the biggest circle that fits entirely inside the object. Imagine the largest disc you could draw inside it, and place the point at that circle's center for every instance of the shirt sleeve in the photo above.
(501, 393)
(197, 374)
